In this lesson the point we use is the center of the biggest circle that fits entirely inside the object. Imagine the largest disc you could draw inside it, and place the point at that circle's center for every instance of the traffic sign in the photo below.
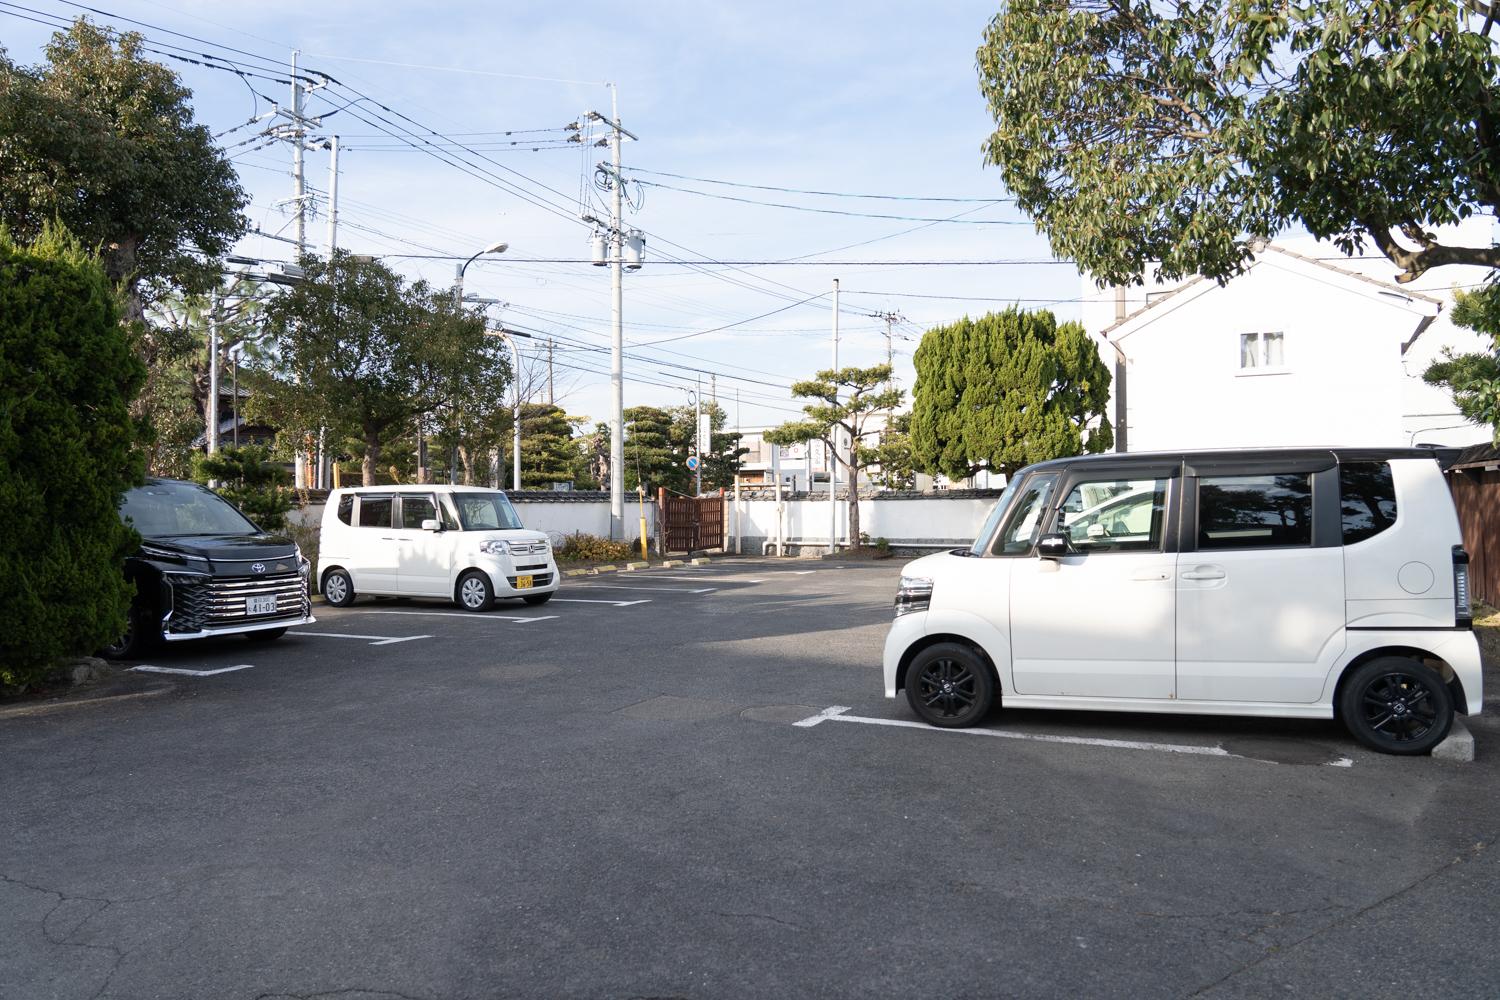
(692, 463)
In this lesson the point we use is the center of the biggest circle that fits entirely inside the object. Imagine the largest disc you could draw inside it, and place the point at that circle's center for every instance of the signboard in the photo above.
(692, 463)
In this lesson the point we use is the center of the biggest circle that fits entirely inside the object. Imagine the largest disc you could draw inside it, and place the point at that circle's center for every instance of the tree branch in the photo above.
(1415, 263)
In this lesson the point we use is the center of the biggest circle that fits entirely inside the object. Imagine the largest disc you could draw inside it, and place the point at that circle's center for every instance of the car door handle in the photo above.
(1204, 573)
(389, 538)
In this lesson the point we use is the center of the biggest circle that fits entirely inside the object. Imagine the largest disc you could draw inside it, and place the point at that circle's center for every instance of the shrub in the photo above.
(68, 452)
(582, 547)
(252, 482)
(306, 536)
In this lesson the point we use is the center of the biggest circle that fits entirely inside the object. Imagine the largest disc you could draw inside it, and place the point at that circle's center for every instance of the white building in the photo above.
(1304, 348)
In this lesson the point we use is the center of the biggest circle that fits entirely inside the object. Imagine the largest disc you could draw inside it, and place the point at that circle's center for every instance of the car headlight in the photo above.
(914, 594)
(494, 547)
(303, 566)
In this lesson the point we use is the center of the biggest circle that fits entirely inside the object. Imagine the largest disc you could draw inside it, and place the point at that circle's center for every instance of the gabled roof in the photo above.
(1394, 295)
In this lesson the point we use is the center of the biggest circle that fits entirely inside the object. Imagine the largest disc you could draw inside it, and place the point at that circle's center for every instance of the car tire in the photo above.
(536, 600)
(338, 588)
(141, 635)
(1396, 705)
(265, 635)
(950, 685)
(474, 592)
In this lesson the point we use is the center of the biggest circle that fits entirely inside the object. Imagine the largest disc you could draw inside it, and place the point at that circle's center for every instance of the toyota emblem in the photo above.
(258, 568)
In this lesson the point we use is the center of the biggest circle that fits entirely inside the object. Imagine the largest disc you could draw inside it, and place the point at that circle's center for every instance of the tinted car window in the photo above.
(374, 512)
(1252, 512)
(1367, 498)
(170, 508)
(415, 510)
(346, 508)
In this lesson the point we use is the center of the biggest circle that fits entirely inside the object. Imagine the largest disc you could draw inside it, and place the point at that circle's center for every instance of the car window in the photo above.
(1114, 515)
(415, 510)
(485, 511)
(175, 508)
(1367, 499)
(375, 512)
(1253, 512)
(1025, 520)
(346, 508)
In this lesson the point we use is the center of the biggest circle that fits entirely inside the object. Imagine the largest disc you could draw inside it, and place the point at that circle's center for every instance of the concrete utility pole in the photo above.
(617, 333)
(213, 370)
(833, 440)
(698, 435)
(333, 195)
(551, 395)
(299, 188)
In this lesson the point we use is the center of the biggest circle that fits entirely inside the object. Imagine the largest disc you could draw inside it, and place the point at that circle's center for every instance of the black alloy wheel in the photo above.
(949, 685)
(1397, 705)
(140, 636)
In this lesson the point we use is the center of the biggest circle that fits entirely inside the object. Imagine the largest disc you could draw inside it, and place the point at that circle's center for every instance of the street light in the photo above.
(458, 284)
(515, 355)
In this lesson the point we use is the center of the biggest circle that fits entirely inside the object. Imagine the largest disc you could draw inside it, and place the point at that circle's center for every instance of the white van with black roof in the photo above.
(1305, 583)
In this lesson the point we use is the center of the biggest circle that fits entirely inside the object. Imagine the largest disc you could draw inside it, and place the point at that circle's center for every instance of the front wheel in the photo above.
(475, 592)
(265, 635)
(950, 685)
(338, 588)
(537, 599)
(142, 633)
(1397, 705)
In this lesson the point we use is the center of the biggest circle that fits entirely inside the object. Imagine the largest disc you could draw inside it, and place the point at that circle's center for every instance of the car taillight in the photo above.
(1463, 616)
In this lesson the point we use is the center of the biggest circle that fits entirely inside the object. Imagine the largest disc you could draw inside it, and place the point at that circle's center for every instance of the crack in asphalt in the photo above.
(761, 916)
(62, 941)
(1274, 951)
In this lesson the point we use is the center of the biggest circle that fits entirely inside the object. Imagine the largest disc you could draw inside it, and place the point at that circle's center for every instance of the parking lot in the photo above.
(687, 783)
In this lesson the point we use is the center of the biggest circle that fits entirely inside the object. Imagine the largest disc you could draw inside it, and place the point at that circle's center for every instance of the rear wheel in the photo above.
(1397, 705)
(950, 685)
(475, 592)
(338, 588)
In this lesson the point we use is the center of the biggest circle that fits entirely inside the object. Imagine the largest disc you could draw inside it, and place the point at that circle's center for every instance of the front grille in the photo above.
(528, 569)
(220, 602)
(527, 548)
(537, 580)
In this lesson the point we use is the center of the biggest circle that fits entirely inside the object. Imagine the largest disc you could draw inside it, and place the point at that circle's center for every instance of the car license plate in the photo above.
(523, 583)
(261, 605)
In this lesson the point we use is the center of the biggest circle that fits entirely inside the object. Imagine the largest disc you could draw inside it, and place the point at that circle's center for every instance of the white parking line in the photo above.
(670, 590)
(835, 713)
(146, 668)
(472, 616)
(383, 640)
(585, 600)
(695, 579)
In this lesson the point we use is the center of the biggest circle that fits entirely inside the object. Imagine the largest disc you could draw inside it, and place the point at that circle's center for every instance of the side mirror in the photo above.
(1052, 546)
(431, 525)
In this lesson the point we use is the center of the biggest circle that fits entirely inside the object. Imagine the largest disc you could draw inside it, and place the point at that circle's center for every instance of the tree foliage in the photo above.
(1135, 131)
(248, 478)
(67, 455)
(548, 452)
(659, 440)
(356, 349)
(1474, 379)
(104, 140)
(1006, 390)
(844, 401)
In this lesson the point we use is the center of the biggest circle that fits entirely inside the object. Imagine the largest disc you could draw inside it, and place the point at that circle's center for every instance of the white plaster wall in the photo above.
(1342, 383)
(935, 522)
(558, 518)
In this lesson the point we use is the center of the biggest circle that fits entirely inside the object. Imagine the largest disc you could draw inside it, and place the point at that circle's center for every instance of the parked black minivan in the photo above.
(204, 569)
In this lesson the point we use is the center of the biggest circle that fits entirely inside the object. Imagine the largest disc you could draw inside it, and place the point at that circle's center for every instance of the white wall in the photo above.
(907, 522)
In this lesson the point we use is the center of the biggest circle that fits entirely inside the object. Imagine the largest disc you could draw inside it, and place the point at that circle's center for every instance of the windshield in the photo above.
(485, 511)
(158, 509)
(993, 520)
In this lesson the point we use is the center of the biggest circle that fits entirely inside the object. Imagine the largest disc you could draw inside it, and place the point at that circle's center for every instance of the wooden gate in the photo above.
(690, 524)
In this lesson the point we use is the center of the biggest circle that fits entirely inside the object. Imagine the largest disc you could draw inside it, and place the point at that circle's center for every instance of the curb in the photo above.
(1458, 747)
(580, 572)
(636, 566)
(48, 707)
(605, 569)
(701, 562)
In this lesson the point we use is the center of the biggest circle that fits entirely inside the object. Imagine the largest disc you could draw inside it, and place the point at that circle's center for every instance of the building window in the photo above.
(1261, 350)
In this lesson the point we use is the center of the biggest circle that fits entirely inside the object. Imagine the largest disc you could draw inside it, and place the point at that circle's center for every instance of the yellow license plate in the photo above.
(523, 583)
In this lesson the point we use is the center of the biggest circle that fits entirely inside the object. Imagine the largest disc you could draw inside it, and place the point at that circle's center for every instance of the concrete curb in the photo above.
(670, 563)
(702, 562)
(60, 705)
(637, 565)
(580, 572)
(1458, 747)
(605, 569)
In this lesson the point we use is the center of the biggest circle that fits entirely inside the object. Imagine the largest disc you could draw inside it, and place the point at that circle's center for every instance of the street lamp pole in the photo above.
(515, 355)
(498, 246)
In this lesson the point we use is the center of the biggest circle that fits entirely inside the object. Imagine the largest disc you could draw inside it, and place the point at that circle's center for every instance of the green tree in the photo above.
(105, 140)
(651, 457)
(844, 402)
(248, 478)
(1474, 379)
(67, 455)
(893, 455)
(1181, 133)
(1006, 390)
(356, 349)
(547, 445)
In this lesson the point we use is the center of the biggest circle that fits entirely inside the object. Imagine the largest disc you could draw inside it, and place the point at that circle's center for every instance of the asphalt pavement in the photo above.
(688, 783)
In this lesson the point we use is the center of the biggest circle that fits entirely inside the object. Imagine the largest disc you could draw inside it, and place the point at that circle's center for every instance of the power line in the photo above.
(828, 194)
(838, 211)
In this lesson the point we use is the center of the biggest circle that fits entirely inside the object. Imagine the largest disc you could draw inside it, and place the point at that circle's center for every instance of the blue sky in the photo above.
(869, 98)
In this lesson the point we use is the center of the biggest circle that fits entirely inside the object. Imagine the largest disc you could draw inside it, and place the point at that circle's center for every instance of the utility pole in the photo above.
(833, 439)
(299, 189)
(213, 369)
(617, 333)
(551, 395)
(698, 435)
(333, 195)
